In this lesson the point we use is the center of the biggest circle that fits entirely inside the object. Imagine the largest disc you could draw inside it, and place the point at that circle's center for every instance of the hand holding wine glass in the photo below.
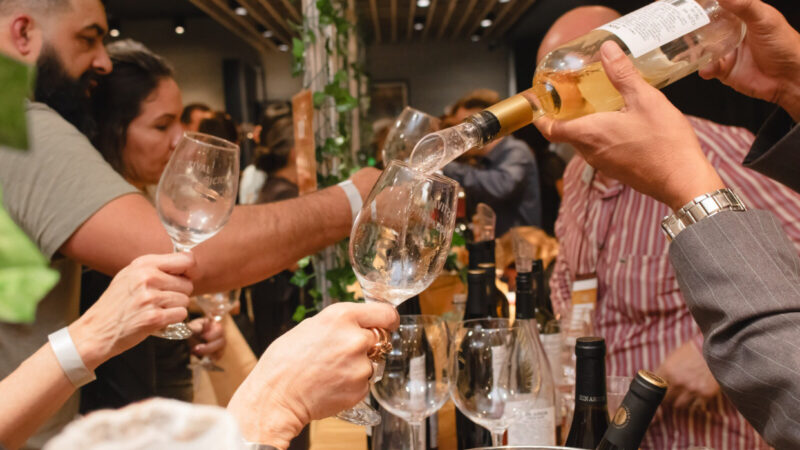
(196, 195)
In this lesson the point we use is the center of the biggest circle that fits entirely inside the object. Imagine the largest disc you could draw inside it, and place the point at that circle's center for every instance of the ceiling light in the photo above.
(113, 28)
(267, 34)
(180, 26)
(240, 11)
(419, 24)
(113, 32)
(423, 3)
(504, 1)
(283, 47)
(486, 23)
(475, 37)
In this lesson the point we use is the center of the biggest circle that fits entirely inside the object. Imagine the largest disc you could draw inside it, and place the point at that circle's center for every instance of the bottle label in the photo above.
(656, 24)
(536, 427)
(554, 348)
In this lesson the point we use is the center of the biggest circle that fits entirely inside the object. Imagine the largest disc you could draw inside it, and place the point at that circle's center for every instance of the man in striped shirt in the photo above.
(608, 229)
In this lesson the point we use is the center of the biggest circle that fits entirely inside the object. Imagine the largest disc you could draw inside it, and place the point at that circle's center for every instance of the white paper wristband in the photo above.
(69, 358)
(353, 196)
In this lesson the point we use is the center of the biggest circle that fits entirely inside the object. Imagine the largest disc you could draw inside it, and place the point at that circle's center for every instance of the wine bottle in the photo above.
(679, 37)
(538, 426)
(469, 434)
(480, 252)
(497, 301)
(590, 420)
(635, 413)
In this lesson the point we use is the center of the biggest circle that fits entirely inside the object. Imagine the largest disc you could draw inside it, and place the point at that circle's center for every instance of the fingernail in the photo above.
(611, 51)
(198, 347)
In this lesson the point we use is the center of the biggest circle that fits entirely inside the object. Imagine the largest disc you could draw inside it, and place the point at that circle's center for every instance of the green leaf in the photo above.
(458, 240)
(300, 278)
(319, 99)
(340, 77)
(299, 313)
(303, 263)
(298, 48)
(25, 275)
(16, 79)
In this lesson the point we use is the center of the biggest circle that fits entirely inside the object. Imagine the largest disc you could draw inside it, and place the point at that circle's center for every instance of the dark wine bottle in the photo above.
(497, 301)
(634, 415)
(480, 252)
(544, 307)
(590, 421)
(469, 434)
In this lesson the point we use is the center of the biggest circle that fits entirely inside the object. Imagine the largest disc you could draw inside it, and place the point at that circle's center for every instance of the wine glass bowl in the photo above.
(409, 127)
(493, 373)
(401, 238)
(195, 197)
(197, 191)
(416, 379)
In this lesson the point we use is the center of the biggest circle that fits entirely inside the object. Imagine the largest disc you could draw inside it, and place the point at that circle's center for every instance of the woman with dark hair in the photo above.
(276, 157)
(137, 110)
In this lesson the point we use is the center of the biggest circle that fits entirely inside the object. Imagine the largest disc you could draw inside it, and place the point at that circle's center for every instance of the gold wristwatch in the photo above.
(698, 209)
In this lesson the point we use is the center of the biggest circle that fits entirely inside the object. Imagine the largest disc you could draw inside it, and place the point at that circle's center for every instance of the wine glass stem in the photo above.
(181, 248)
(417, 436)
(497, 438)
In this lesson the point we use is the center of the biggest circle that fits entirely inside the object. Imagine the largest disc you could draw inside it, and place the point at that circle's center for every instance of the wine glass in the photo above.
(494, 373)
(411, 125)
(399, 243)
(195, 196)
(416, 379)
(215, 306)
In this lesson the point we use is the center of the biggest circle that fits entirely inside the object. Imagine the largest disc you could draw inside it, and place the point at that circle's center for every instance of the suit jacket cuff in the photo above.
(776, 150)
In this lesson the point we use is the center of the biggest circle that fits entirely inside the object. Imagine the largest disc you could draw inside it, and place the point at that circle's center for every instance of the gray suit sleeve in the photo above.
(740, 277)
(776, 150)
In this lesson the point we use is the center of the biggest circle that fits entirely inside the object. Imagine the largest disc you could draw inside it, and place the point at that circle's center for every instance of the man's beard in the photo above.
(69, 97)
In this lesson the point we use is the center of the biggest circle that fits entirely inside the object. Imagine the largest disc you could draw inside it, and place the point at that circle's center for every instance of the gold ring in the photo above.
(381, 347)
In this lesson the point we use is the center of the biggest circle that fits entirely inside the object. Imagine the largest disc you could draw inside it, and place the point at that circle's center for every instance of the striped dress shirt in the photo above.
(608, 228)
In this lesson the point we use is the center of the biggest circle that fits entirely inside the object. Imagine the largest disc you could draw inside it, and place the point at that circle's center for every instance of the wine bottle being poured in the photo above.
(681, 37)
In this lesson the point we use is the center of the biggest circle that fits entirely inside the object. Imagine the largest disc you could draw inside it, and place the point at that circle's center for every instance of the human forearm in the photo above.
(740, 277)
(31, 395)
(262, 240)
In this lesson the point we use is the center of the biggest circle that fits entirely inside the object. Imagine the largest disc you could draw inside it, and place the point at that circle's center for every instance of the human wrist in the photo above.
(93, 351)
(689, 188)
(264, 419)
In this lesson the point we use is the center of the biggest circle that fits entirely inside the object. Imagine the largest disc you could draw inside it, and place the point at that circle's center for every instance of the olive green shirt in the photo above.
(50, 191)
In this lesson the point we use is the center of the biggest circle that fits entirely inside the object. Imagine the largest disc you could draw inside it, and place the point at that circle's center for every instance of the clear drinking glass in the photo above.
(215, 306)
(196, 195)
(399, 243)
(494, 373)
(616, 388)
(416, 379)
(411, 125)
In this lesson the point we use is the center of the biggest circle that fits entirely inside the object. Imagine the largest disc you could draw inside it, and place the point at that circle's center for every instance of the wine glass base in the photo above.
(175, 332)
(361, 414)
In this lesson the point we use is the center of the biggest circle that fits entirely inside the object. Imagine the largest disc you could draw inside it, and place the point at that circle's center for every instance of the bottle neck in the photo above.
(630, 421)
(525, 302)
(590, 381)
(506, 117)
(476, 305)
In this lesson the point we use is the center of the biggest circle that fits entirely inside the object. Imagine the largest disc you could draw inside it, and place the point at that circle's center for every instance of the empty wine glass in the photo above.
(195, 196)
(411, 125)
(399, 243)
(494, 373)
(215, 306)
(416, 379)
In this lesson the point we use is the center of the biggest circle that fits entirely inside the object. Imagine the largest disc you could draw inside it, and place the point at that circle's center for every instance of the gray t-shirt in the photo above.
(50, 191)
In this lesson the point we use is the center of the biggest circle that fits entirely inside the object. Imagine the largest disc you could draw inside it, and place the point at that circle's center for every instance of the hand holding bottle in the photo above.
(765, 66)
(689, 377)
(648, 144)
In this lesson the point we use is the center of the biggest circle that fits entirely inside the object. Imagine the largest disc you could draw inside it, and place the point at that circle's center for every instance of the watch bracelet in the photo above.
(699, 208)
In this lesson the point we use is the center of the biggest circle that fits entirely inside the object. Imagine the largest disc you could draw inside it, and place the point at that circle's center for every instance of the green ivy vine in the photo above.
(336, 93)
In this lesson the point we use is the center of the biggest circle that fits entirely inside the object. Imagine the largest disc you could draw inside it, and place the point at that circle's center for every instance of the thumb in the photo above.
(621, 72)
